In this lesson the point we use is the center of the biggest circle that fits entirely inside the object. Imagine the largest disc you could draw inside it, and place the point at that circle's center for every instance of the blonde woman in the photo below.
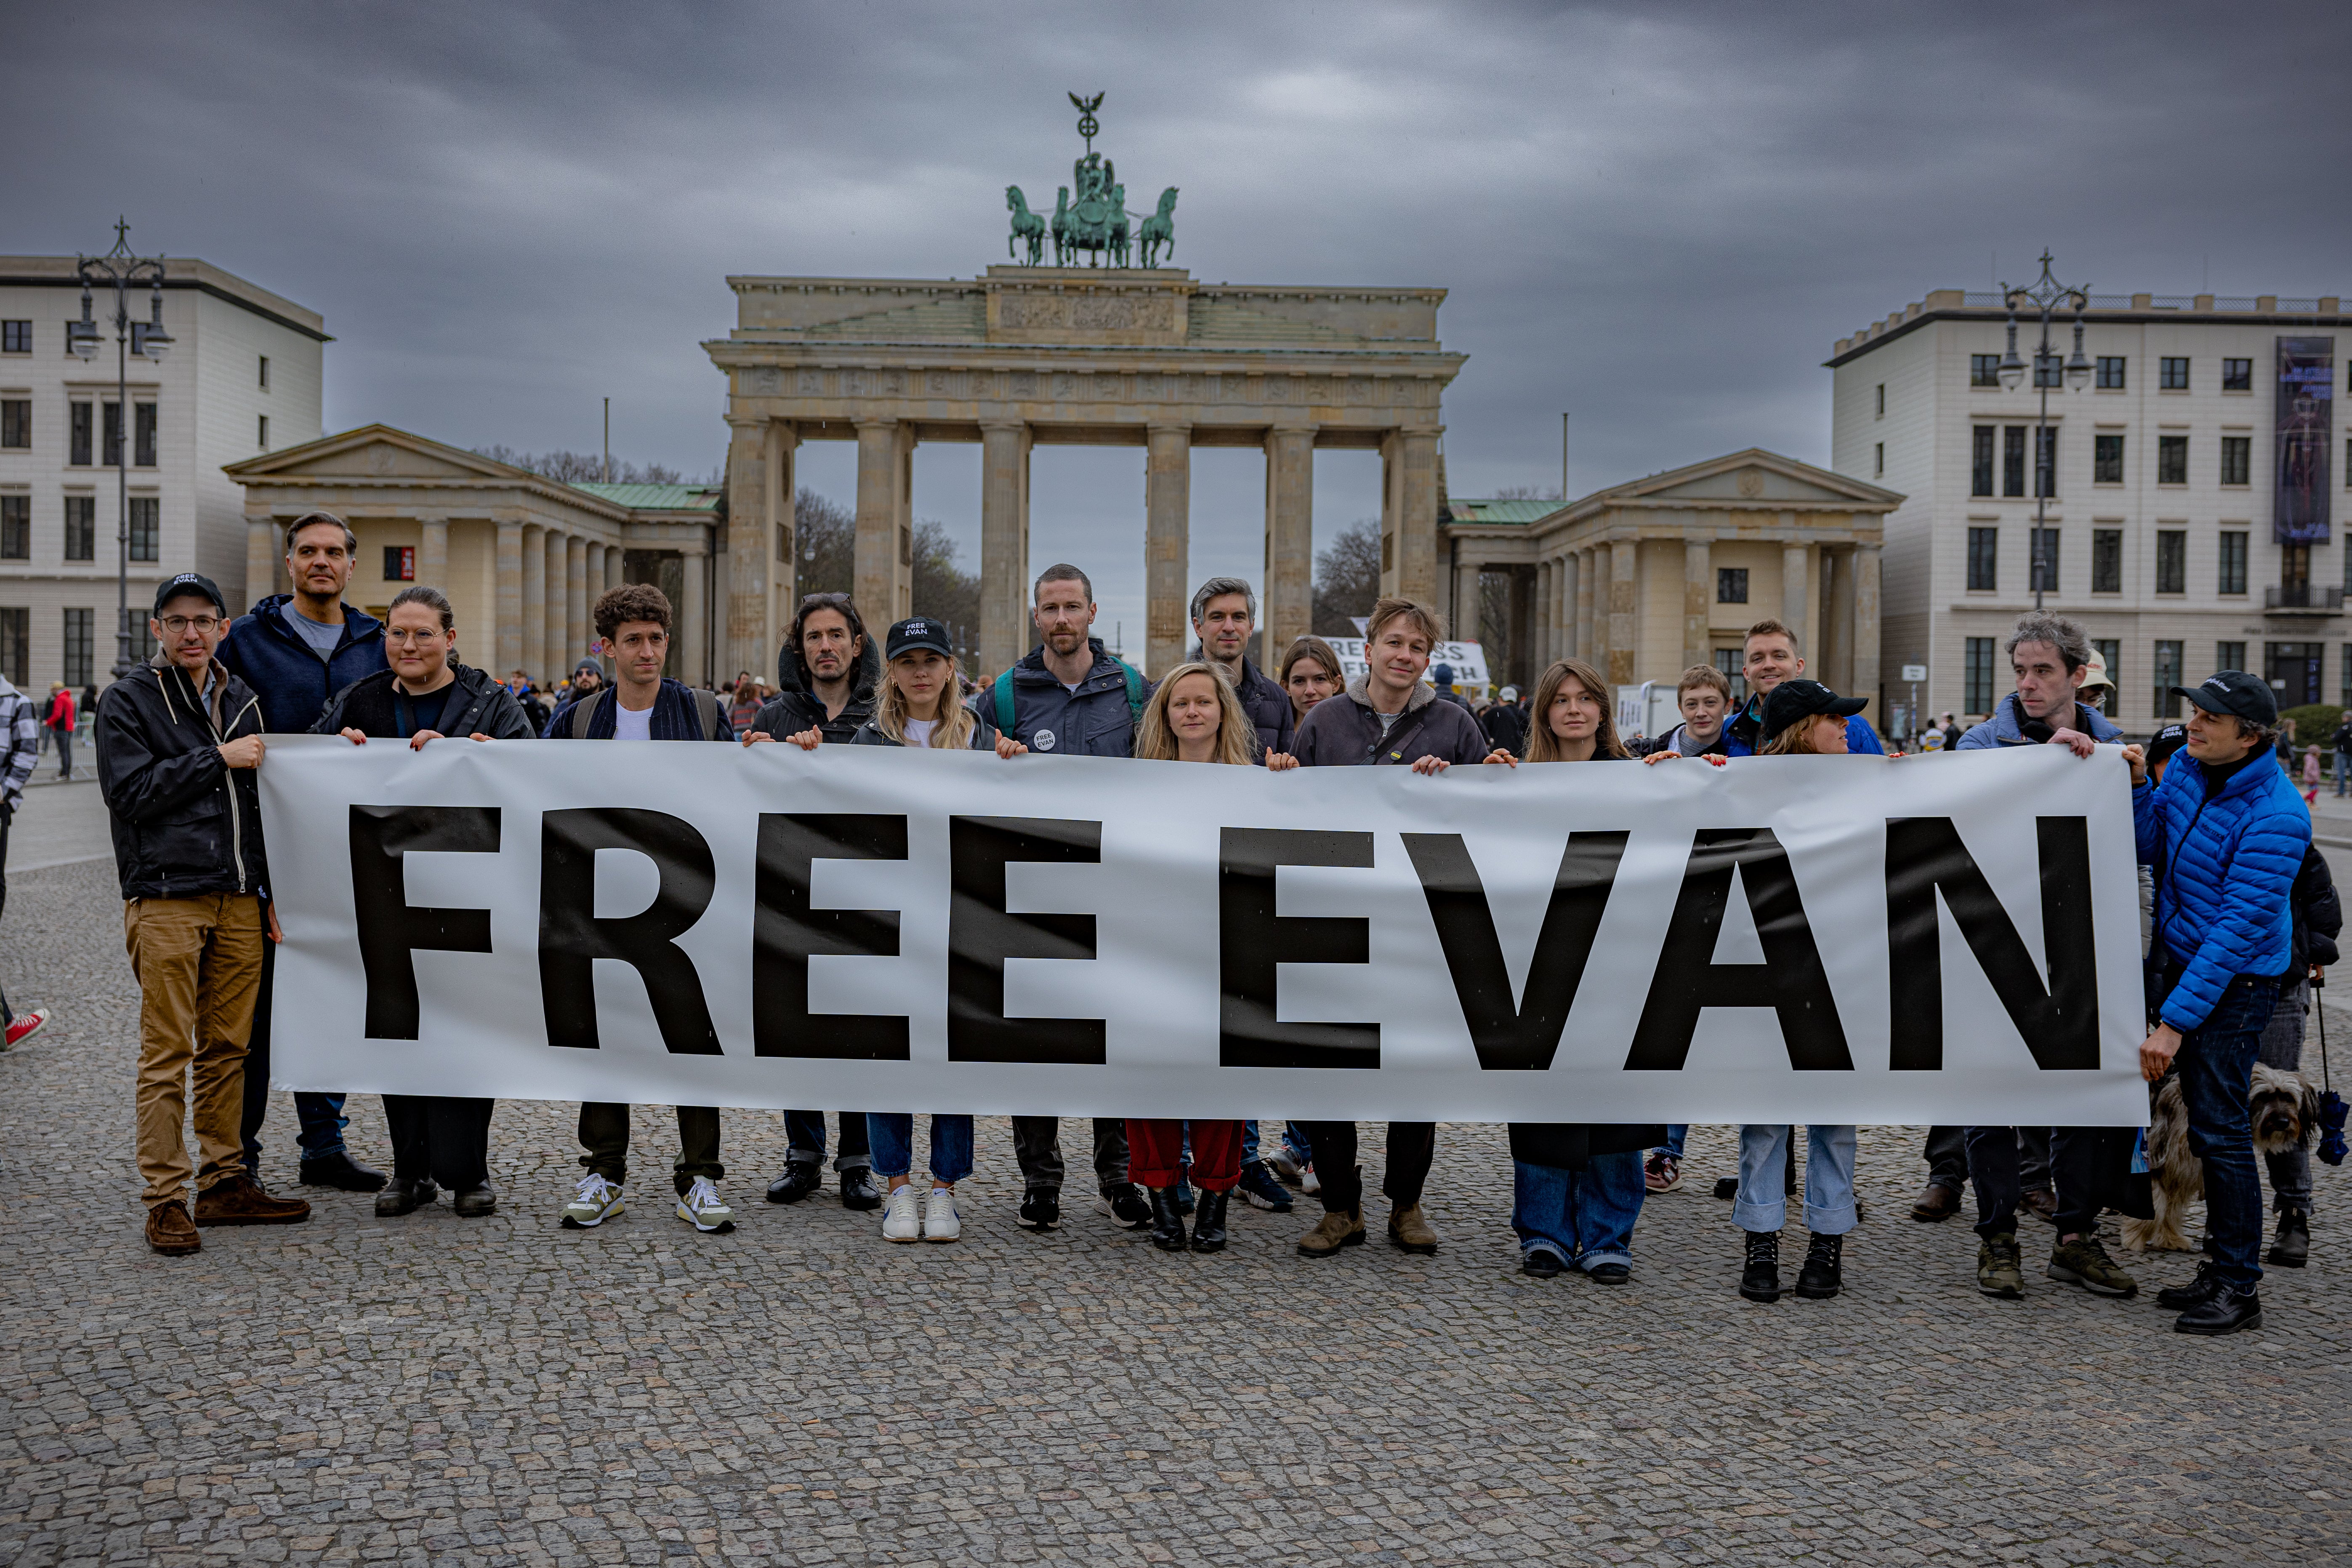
(1193, 717)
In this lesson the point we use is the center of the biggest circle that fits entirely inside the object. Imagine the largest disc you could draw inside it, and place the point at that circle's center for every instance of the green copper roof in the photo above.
(1507, 512)
(657, 498)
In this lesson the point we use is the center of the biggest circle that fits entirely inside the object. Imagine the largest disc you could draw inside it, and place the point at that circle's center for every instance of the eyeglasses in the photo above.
(175, 625)
(412, 639)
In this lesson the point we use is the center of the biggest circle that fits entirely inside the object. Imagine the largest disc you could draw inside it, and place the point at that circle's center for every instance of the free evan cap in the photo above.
(918, 632)
(2236, 694)
(187, 584)
(1792, 701)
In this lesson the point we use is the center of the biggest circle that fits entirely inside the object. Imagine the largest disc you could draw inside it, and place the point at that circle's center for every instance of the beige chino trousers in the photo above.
(199, 965)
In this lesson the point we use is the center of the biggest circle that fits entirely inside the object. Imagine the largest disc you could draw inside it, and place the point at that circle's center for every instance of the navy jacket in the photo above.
(292, 682)
(675, 716)
(1050, 719)
(2224, 869)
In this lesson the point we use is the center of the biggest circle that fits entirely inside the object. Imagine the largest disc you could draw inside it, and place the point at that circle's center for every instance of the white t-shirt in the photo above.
(632, 726)
(919, 732)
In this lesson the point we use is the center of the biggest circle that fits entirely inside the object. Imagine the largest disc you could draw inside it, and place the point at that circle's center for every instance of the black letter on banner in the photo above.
(1790, 980)
(571, 937)
(786, 933)
(390, 928)
(1252, 940)
(1507, 1037)
(2059, 1024)
(981, 935)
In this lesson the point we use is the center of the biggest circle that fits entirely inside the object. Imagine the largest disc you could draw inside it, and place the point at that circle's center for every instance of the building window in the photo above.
(2228, 656)
(2013, 460)
(16, 422)
(110, 441)
(79, 667)
(1882, 402)
(2172, 561)
(265, 373)
(2107, 561)
(2044, 563)
(78, 434)
(145, 524)
(2172, 460)
(2110, 649)
(1975, 694)
(1980, 461)
(2172, 373)
(1984, 370)
(2167, 676)
(1879, 459)
(261, 431)
(2237, 459)
(1731, 584)
(16, 527)
(784, 541)
(1984, 560)
(2233, 561)
(2106, 459)
(2045, 461)
(16, 642)
(142, 435)
(2048, 370)
(2237, 375)
(15, 337)
(81, 528)
(400, 563)
(2111, 372)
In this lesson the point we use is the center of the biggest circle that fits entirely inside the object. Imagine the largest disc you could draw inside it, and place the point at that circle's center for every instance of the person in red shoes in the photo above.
(19, 749)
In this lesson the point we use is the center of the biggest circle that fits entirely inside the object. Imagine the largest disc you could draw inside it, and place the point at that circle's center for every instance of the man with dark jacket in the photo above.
(2341, 744)
(295, 650)
(826, 675)
(1388, 717)
(179, 742)
(1224, 614)
(2226, 833)
(642, 704)
(1505, 722)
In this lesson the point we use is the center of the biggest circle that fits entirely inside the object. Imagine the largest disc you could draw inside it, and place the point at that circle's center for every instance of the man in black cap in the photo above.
(179, 750)
(2225, 833)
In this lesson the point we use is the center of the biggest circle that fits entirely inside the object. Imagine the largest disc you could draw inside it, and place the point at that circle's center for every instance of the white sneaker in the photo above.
(598, 1200)
(940, 1221)
(902, 1220)
(701, 1209)
(1308, 1182)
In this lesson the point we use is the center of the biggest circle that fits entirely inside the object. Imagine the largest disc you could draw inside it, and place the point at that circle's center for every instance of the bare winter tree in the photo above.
(827, 548)
(1347, 579)
(1527, 492)
(584, 468)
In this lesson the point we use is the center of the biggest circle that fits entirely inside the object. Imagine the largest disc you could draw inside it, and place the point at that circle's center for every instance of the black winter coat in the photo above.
(2318, 915)
(479, 705)
(184, 822)
(797, 706)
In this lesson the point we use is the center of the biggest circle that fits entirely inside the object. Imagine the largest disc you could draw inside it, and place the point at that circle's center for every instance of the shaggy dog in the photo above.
(2283, 1113)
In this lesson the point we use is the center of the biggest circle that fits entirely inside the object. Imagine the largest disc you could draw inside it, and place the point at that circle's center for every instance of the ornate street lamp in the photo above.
(2044, 294)
(123, 271)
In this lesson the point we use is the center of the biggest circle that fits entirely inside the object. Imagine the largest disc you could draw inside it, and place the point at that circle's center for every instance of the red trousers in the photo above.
(1155, 1148)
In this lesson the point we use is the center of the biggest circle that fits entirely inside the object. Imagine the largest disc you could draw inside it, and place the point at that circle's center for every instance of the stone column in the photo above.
(1166, 542)
(1837, 620)
(886, 549)
(750, 640)
(508, 603)
(1416, 522)
(615, 567)
(1624, 610)
(556, 659)
(1698, 594)
(1792, 593)
(1005, 628)
(575, 601)
(433, 552)
(781, 499)
(1289, 585)
(263, 550)
(534, 607)
(1592, 600)
(596, 553)
(1865, 630)
(694, 624)
(1570, 620)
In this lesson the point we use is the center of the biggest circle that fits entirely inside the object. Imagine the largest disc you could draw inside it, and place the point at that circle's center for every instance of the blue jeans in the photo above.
(804, 1139)
(1764, 1155)
(891, 1136)
(1586, 1216)
(2217, 1066)
(1675, 1136)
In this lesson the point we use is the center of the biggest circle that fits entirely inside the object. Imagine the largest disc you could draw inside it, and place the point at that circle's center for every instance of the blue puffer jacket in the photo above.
(2002, 729)
(292, 682)
(2223, 869)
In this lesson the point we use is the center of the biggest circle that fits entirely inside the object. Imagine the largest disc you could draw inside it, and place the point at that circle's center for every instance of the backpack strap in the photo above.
(1004, 691)
(706, 708)
(1134, 691)
(583, 714)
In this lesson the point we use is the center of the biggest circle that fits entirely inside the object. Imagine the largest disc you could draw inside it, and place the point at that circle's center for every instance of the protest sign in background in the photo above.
(1831, 939)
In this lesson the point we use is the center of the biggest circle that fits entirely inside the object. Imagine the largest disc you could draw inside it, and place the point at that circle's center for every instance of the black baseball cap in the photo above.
(918, 632)
(1793, 702)
(2166, 741)
(2234, 694)
(185, 584)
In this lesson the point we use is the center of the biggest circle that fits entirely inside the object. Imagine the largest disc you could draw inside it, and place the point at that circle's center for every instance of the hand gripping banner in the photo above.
(1947, 939)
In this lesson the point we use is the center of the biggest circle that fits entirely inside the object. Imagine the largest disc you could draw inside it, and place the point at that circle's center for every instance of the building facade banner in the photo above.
(2307, 401)
(1951, 940)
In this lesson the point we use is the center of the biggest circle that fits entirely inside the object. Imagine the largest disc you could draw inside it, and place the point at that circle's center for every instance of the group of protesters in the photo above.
(180, 743)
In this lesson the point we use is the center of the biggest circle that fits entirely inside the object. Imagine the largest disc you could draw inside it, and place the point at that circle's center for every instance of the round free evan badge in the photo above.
(1043, 741)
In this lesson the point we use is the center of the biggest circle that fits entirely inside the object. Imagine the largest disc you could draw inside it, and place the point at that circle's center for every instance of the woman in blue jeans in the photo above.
(890, 1137)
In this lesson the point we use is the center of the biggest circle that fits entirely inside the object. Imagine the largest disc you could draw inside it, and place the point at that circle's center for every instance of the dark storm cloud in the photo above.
(1658, 218)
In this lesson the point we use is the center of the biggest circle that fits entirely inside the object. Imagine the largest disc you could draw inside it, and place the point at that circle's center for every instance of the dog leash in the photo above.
(2332, 1107)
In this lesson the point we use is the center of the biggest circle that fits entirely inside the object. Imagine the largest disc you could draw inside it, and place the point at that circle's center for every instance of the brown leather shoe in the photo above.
(2043, 1203)
(1341, 1227)
(1936, 1202)
(1410, 1228)
(169, 1230)
(241, 1200)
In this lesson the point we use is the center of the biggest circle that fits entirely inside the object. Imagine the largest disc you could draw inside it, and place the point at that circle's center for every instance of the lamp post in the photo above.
(123, 271)
(2044, 294)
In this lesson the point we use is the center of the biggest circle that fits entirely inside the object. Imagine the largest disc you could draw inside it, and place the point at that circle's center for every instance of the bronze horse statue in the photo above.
(1026, 226)
(1160, 229)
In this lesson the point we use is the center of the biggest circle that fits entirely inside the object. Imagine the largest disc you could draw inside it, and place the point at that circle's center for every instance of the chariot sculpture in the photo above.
(1094, 220)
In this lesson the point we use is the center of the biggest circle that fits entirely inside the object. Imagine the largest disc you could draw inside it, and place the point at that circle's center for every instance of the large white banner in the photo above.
(1839, 939)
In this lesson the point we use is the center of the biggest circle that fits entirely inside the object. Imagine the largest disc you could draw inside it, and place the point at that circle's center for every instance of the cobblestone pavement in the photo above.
(424, 1390)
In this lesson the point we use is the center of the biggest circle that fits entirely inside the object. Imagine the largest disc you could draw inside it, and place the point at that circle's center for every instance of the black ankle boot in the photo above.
(2291, 1248)
(1824, 1273)
(1209, 1222)
(405, 1194)
(1167, 1221)
(1761, 1280)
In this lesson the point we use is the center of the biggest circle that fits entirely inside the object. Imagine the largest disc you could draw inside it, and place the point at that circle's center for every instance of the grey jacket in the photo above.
(1344, 732)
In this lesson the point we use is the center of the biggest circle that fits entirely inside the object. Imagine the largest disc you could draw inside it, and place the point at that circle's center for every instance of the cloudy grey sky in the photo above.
(1657, 217)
